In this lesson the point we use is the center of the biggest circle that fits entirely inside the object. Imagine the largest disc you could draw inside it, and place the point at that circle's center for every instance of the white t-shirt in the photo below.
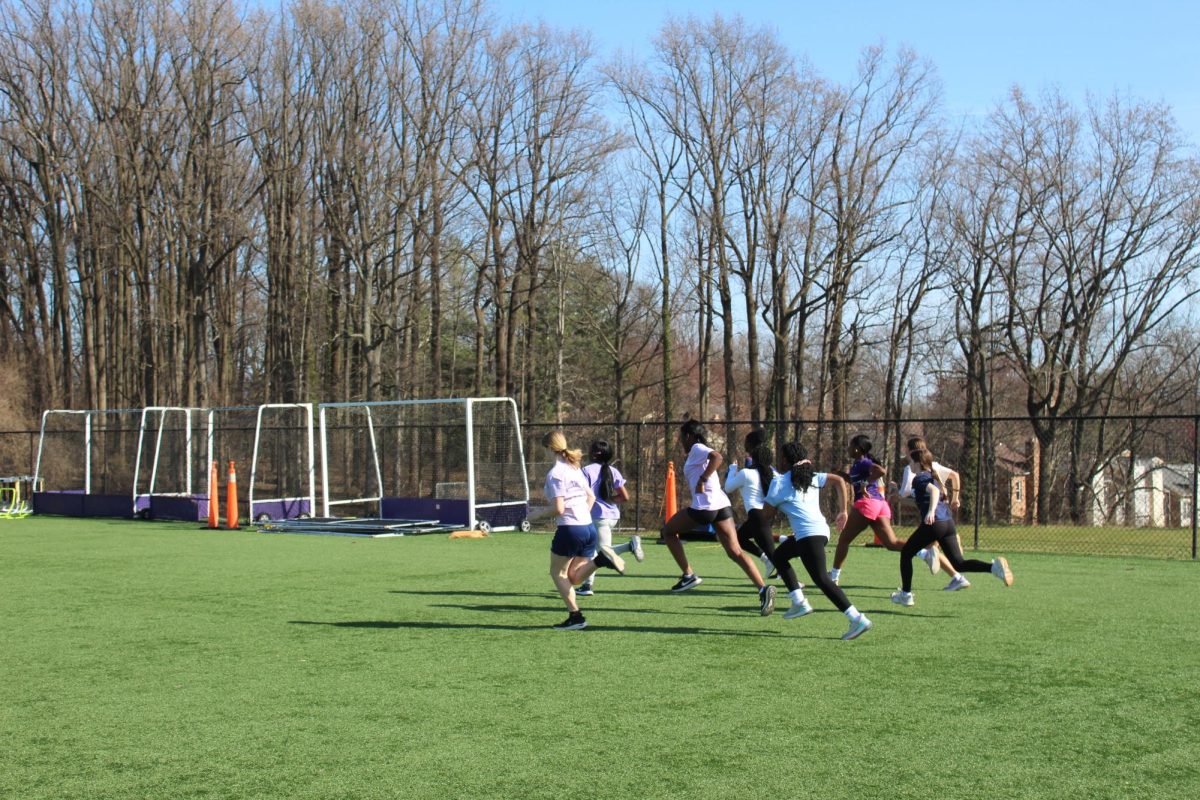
(749, 482)
(906, 490)
(712, 498)
(569, 483)
(803, 509)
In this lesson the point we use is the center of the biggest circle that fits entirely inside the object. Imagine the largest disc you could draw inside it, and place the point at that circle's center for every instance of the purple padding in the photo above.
(448, 512)
(78, 504)
(187, 509)
(291, 508)
(452, 512)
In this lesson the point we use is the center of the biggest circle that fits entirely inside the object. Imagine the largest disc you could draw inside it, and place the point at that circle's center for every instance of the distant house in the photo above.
(1144, 492)
(1015, 483)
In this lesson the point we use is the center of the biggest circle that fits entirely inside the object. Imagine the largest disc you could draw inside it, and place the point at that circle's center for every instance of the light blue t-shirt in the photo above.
(803, 509)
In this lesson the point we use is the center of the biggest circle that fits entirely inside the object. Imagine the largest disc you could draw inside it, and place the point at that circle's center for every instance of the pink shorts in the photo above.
(873, 509)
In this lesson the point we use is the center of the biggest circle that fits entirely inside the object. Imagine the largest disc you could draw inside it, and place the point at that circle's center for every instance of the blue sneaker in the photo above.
(857, 628)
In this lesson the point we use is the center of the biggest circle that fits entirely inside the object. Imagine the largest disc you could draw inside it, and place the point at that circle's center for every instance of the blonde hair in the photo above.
(556, 442)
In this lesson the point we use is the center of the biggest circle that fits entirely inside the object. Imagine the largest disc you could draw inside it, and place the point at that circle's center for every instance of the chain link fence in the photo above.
(1117, 486)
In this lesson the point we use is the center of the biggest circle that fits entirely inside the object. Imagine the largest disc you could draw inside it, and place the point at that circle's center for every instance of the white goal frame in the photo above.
(474, 508)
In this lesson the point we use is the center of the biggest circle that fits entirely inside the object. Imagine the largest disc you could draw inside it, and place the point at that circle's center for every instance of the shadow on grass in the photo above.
(413, 625)
(749, 591)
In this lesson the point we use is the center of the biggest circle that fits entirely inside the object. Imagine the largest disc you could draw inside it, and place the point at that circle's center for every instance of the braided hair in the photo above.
(802, 469)
(601, 453)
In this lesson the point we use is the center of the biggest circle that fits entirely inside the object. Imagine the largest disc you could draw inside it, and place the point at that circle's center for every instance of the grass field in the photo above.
(145, 660)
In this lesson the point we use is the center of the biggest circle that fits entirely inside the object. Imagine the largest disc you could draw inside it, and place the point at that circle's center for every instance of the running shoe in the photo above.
(857, 628)
(635, 546)
(574, 622)
(1001, 570)
(901, 598)
(768, 568)
(584, 590)
(766, 600)
(930, 556)
(607, 557)
(689, 581)
(798, 609)
(956, 583)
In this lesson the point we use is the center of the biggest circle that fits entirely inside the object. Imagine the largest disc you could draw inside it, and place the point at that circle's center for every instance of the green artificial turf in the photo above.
(149, 660)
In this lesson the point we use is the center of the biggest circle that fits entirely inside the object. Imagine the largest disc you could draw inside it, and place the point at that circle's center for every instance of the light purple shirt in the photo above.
(569, 483)
(602, 509)
(712, 498)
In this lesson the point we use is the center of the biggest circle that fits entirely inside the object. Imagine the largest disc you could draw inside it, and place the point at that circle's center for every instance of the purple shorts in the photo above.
(873, 508)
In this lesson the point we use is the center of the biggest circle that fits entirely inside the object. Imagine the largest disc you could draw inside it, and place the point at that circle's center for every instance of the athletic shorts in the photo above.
(872, 508)
(707, 516)
(574, 540)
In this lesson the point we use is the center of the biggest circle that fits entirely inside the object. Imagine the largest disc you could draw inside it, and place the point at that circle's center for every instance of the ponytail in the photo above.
(925, 458)
(801, 468)
(762, 462)
(556, 442)
(601, 453)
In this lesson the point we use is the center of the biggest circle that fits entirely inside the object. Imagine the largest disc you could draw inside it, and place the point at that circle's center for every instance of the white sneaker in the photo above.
(956, 583)
(835, 579)
(1001, 570)
(635, 546)
(930, 556)
(798, 609)
(901, 598)
(857, 628)
(607, 557)
(768, 568)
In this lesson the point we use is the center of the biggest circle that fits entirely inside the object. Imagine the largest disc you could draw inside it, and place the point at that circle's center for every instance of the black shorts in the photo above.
(707, 516)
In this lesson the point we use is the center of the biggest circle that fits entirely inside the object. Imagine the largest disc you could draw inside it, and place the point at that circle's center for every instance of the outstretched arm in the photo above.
(843, 498)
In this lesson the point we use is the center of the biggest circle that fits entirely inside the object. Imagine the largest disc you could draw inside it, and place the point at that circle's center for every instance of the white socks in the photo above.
(835, 573)
(852, 613)
(797, 596)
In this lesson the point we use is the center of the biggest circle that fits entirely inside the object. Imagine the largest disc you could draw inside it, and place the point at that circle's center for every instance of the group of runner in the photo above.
(586, 500)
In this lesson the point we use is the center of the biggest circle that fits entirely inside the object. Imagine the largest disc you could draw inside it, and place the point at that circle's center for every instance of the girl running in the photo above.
(608, 486)
(871, 509)
(754, 535)
(573, 552)
(932, 555)
(796, 494)
(709, 506)
(937, 525)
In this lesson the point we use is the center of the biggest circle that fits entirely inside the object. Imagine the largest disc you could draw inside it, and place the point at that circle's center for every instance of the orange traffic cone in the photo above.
(231, 507)
(669, 503)
(214, 492)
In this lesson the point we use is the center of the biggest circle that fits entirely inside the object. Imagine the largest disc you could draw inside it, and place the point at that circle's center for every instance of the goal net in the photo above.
(458, 462)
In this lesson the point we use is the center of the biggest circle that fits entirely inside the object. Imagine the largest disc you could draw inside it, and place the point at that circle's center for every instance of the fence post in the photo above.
(1195, 477)
(978, 476)
(637, 503)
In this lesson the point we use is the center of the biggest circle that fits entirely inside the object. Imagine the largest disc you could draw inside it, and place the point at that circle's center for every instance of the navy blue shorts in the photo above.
(575, 540)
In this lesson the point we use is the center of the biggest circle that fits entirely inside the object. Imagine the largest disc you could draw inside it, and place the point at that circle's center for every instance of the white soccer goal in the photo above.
(85, 462)
(457, 462)
(170, 472)
(283, 473)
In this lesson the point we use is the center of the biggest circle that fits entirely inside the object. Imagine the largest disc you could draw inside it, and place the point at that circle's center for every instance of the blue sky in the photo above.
(1146, 48)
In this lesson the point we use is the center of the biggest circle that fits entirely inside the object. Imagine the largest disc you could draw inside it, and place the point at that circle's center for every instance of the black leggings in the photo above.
(811, 550)
(943, 532)
(756, 538)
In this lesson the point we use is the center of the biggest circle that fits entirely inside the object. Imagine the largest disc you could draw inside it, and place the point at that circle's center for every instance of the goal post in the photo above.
(85, 462)
(283, 473)
(457, 461)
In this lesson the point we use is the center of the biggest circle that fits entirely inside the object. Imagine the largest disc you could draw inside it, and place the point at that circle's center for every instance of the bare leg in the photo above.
(560, 567)
(680, 523)
(855, 525)
(882, 528)
(727, 535)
